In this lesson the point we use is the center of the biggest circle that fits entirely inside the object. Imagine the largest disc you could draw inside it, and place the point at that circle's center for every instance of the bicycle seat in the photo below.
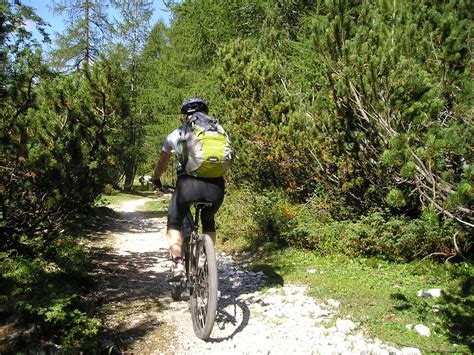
(201, 204)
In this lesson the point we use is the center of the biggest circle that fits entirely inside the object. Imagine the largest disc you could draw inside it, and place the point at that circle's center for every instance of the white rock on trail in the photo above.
(345, 326)
(432, 292)
(411, 351)
(423, 330)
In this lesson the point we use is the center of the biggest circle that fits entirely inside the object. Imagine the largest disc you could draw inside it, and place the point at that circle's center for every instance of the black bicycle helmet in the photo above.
(194, 105)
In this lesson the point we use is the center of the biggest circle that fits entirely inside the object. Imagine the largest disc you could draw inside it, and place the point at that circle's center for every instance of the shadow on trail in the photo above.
(130, 295)
(126, 222)
(129, 273)
(235, 285)
(133, 291)
(226, 318)
(130, 277)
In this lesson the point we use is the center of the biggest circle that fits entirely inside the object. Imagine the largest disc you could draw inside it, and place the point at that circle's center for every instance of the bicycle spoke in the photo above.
(202, 293)
(202, 317)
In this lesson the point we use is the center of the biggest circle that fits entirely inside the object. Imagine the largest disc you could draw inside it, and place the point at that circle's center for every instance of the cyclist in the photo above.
(188, 189)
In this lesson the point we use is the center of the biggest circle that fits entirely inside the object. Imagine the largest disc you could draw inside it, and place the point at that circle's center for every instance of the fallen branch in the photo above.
(440, 254)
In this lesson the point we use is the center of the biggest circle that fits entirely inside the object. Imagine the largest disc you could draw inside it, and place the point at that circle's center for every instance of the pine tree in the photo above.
(88, 27)
(133, 33)
(21, 68)
(388, 71)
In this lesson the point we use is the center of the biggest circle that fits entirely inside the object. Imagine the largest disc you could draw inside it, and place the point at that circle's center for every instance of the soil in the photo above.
(252, 317)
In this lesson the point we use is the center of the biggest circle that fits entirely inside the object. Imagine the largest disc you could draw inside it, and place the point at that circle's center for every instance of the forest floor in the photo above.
(139, 316)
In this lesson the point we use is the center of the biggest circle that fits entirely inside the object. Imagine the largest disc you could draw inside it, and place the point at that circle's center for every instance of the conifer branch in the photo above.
(438, 188)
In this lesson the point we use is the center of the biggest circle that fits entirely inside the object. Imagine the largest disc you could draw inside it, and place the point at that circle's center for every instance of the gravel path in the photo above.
(140, 316)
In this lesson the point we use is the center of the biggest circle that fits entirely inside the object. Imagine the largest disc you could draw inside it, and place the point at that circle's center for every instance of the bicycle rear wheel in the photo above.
(204, 293)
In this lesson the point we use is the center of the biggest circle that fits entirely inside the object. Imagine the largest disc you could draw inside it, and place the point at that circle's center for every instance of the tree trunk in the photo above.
(86, 35)
(129, 176)
(131, 160)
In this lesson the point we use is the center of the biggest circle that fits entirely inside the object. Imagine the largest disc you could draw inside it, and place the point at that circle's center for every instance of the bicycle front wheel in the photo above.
(204, 292)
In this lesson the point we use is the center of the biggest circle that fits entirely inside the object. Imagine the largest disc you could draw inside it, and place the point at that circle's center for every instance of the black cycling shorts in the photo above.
(191, 189)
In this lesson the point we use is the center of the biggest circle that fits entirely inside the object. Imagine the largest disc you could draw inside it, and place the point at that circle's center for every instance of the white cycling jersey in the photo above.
(171, 141)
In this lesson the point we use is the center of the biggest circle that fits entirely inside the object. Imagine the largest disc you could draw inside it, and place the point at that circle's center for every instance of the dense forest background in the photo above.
(352, 121)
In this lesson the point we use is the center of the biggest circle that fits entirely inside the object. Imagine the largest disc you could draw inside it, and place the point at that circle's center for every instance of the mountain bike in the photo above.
(200, 274)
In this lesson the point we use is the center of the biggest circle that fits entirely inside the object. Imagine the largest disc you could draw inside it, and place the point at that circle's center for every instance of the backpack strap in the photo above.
(207, 122)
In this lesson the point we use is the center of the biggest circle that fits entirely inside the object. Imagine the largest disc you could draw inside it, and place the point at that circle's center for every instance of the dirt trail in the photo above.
(140, 316)
(130, 269)
(138, 312)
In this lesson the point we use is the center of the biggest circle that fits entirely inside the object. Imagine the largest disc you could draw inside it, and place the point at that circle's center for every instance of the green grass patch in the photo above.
(381, 296)
(154, 206)
(118, 197)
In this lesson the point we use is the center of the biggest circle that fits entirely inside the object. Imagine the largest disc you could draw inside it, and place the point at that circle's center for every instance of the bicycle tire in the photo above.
(204, 294)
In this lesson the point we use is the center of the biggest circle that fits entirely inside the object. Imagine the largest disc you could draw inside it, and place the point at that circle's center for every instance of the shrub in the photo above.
(234, 219)
(45, 290)
(389, 237)
(269, 218)
(108, 189)
(265, 218)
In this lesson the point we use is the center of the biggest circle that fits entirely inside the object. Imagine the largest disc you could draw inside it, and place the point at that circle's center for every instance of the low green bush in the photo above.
(394, 238)
(45, 290)
(234, 220)
(264, 219)
(108, 189)
(270, 218)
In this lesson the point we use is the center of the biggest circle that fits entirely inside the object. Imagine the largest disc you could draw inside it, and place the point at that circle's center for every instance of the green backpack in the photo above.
(204, 148)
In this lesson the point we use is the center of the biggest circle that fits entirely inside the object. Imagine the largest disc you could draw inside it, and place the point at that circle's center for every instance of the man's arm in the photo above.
(161, 165)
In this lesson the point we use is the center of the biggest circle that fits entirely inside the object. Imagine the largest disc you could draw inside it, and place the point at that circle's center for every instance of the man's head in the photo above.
(194, 105)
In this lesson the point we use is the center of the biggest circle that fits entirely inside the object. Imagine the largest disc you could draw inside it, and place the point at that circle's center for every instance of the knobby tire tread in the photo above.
(203, 327)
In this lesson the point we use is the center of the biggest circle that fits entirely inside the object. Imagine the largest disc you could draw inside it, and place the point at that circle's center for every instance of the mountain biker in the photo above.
(188, 189)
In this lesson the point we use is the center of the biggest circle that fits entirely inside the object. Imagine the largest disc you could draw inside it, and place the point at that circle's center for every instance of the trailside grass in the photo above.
(115, 197)
(154, 206)
(381, 297)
